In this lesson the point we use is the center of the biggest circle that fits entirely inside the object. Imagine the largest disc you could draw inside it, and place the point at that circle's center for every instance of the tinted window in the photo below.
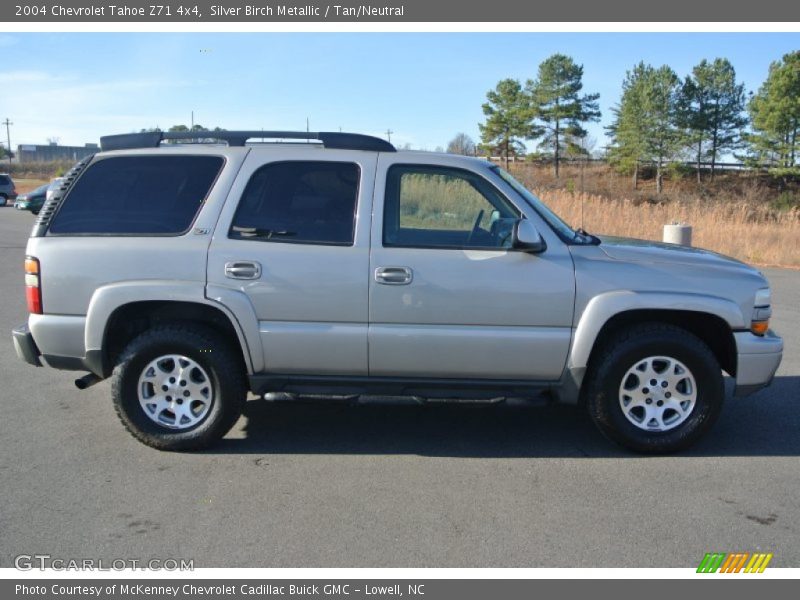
(443, 207)
(299, 202)
(4, 180)
(138, 195)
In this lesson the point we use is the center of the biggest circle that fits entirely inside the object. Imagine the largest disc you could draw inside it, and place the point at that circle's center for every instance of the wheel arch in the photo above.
(118, 313)
(710, 318)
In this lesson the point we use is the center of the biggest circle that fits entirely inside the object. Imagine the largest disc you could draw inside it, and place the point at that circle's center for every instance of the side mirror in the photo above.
(525, 237)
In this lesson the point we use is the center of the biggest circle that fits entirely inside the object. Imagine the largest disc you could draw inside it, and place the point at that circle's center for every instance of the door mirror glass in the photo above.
(527, 237)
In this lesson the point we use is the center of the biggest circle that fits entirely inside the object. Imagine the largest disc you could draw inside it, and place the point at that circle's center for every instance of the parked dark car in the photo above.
(7, 189)
(33, 200)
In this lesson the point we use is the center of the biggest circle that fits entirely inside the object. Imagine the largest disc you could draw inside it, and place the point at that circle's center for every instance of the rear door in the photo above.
(294, 239)
(449, 298)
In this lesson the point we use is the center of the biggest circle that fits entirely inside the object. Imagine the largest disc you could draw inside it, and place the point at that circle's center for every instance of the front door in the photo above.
(449, 298)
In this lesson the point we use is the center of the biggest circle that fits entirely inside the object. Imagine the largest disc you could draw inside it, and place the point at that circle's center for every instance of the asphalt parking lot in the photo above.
(388, 486)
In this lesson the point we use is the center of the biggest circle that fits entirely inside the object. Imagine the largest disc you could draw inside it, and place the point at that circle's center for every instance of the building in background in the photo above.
(53, 152)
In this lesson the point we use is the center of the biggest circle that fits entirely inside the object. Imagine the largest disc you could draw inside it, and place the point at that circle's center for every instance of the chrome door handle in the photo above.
(394, 275)
(242, 269)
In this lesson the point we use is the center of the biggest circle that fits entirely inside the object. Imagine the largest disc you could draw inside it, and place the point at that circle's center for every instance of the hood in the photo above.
(633, 250)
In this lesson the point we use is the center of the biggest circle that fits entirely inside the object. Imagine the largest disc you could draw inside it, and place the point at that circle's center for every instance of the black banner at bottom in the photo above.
(733, 586)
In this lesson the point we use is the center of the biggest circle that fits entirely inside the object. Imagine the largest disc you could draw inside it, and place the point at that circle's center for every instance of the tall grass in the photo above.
(739, 214)
(755, 234)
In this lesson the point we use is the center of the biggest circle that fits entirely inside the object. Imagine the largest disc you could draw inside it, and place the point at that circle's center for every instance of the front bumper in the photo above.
(757, 360)
(25, 346)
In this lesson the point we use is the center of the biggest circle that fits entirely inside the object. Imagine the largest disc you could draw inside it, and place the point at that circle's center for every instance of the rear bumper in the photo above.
(25, 346)
(757, 360)
(57, 341)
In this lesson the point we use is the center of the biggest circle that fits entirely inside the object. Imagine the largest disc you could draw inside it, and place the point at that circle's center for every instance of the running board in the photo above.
(356, 389)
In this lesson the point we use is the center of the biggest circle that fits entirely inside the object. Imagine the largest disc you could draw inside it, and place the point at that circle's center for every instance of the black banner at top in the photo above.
(472, 11)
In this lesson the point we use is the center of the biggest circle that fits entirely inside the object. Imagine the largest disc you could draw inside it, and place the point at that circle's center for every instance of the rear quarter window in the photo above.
(5, 180)
(138, 195)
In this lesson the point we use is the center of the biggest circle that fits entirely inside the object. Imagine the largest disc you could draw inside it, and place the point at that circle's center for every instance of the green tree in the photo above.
(646, 124)
(711, 110)
(508, 119)
(627, 132)
(461, 144)
(775, 113)
(558, 106)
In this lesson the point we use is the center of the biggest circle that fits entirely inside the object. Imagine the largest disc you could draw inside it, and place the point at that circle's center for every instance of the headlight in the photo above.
(762, 311)
(763, 298)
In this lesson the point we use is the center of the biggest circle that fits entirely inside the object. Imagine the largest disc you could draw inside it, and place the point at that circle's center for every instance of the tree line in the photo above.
(659, 117)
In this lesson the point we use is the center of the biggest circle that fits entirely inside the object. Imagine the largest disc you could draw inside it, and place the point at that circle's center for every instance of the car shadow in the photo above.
(764, 424)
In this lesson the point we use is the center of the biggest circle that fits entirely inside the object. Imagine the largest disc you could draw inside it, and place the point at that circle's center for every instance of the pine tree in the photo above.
(646, 124)
(507, 119)
(558, 106)
(711, 109)
(627, 132)
(775, 113)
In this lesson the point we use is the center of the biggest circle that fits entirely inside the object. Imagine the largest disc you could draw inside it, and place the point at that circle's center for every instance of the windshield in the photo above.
(561, 228)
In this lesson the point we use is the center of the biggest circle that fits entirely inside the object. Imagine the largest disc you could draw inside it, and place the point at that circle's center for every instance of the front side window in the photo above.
(308, 202)
(138, 195)
(441, 207)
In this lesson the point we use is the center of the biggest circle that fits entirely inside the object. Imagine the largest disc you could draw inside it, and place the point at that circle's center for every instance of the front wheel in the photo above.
(179, 387)
(655, 388)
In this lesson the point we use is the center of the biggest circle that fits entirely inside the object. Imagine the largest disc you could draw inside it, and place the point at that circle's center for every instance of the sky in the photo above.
(424, 87)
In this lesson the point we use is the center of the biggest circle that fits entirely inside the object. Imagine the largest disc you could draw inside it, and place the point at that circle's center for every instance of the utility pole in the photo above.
(389, 133)
(8, 125)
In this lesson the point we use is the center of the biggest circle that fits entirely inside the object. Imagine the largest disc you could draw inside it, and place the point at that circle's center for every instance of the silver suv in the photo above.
(8, 192)
(190, 274)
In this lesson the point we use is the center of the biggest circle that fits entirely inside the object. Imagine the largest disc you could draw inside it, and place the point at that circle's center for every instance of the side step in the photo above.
(542, 398)
(461, 390)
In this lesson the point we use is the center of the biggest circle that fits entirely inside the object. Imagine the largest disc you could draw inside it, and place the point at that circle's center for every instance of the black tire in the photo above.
(3, 200)
(213, 353)
(623, 351)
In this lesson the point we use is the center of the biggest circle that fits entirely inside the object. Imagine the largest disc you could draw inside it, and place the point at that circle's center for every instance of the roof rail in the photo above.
(152, 139)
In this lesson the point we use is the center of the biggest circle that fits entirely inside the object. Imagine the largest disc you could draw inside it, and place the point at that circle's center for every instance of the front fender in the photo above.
(603, 307)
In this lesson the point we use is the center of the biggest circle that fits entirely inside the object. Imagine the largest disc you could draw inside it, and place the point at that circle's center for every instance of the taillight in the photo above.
(33, 288)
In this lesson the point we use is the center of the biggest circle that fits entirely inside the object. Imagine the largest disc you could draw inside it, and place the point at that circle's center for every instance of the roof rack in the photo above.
(153, 139)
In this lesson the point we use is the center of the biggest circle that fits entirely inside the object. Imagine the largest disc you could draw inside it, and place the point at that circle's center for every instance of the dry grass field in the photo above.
(25, 185)
(736, 216)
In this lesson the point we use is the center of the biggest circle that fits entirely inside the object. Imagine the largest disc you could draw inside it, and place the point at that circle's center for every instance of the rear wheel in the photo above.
(179, 387)
(655, 388)
(3, 200)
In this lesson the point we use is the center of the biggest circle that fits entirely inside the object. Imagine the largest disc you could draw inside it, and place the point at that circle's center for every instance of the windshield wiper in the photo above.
(258, 232)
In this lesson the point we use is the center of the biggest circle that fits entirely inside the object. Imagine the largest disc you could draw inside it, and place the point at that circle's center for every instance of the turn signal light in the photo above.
(759, 327)
(33, 289)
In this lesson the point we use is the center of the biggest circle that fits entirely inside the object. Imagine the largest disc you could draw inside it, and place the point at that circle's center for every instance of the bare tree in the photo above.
(461, 144)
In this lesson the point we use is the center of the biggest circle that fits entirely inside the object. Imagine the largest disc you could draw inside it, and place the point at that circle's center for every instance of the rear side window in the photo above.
(5, 180)
(306, 202)
(138, 195)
